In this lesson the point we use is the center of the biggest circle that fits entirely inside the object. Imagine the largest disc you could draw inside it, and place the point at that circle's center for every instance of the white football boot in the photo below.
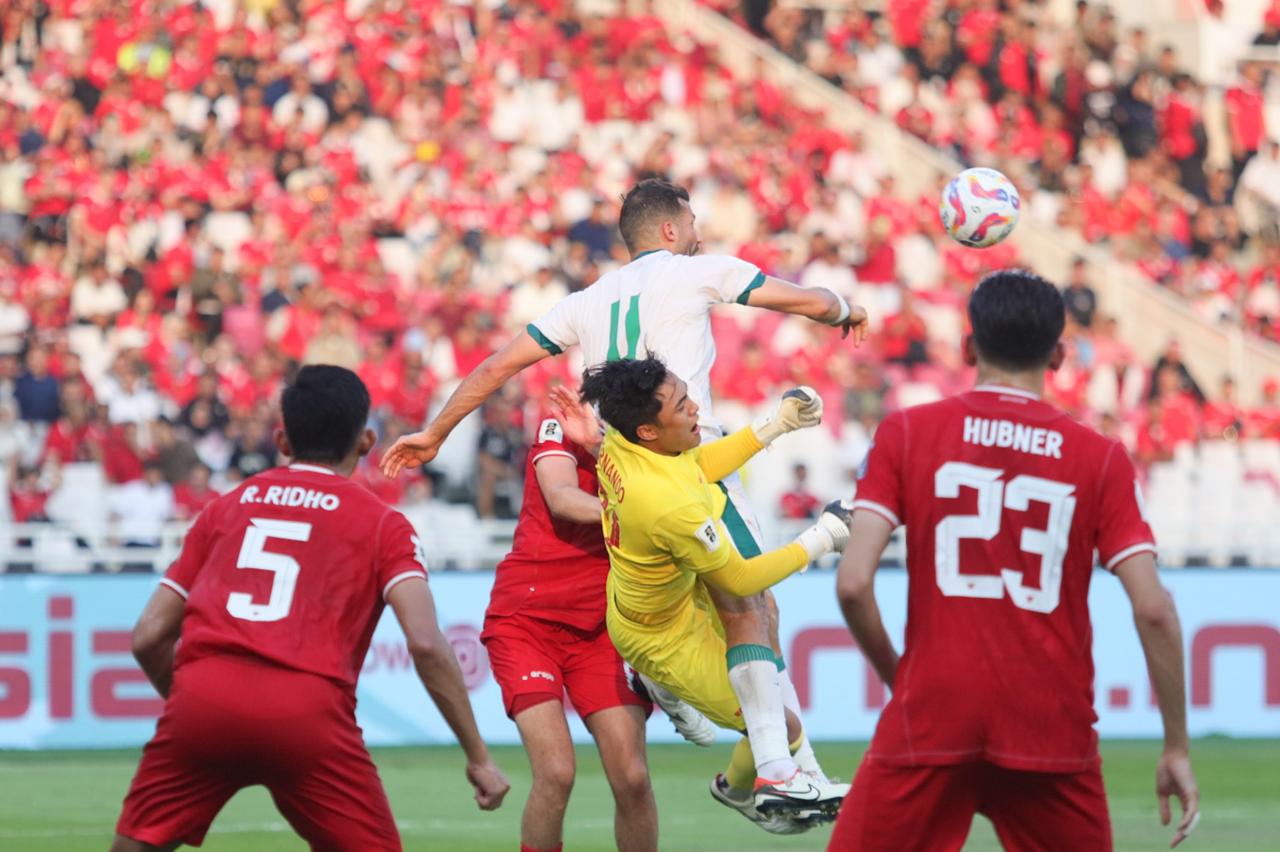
(778, 824)
(804, 796)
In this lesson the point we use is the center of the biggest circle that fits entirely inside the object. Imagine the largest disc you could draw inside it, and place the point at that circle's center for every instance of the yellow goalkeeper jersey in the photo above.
(662, 526)
(663, 529)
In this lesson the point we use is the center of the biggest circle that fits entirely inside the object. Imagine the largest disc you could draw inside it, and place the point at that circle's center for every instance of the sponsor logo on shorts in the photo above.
(544, 675)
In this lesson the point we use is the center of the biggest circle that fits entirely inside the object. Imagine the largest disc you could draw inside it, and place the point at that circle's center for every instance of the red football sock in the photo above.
(556, 848)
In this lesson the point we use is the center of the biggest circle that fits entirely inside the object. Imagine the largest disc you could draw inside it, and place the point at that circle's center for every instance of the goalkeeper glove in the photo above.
(830, 534)
(799, 408)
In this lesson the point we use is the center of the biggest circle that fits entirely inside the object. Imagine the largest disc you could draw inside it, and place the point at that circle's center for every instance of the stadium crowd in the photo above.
(1107, 129)
(195, 199)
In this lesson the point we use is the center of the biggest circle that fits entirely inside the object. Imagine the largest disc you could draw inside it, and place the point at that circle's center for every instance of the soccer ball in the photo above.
(980, 207)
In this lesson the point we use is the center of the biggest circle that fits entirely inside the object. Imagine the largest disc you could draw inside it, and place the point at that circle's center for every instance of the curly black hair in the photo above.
(626, 392)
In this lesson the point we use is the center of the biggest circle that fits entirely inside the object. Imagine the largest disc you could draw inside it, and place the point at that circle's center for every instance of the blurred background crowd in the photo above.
(195, 198)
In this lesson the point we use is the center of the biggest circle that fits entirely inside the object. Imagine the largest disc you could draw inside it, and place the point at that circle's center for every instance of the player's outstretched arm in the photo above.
(1156, 619)
(745, 577)
(421, 447)
(855, 589)
(799, 408)
(817, 303)
(155, 636)
(438, 669)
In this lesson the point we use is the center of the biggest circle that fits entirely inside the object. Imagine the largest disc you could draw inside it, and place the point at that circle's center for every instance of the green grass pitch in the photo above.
(69, 801)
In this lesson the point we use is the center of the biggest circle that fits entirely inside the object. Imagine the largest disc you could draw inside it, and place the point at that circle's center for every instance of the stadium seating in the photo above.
(1034, 94)
(380, 190)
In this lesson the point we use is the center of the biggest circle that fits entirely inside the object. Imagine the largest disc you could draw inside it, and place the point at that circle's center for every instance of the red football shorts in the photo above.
(230, 724)
(535, 661)
(901, 808)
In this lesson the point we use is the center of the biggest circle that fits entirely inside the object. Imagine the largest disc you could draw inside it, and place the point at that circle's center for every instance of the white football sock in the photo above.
(755, 682)
(804, 756)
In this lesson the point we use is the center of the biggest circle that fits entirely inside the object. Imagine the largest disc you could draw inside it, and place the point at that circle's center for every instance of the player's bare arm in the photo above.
(1156, 619)
(494, 371)
(855, 589)
(558, 481)
(816, 303)
(155, 636)
(437, 667)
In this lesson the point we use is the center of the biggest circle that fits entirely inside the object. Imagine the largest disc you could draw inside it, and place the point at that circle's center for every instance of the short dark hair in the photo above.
(325, 409)
(647, 204)
(1017, 318)
(626, 392)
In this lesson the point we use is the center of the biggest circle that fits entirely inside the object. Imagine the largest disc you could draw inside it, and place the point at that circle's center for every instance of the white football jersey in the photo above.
(659, 303)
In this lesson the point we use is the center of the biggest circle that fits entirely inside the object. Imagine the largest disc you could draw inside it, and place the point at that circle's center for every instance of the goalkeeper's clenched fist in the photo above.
(799, 408)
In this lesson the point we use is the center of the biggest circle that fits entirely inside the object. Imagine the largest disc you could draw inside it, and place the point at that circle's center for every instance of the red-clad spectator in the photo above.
(121, 458)
(28, 498)
(916, 119)
(1183, 133)
(412, 396)
(1152, 444)
(1222, 418)
(74, 437)
(470, 344)
(879, 261)
(1179, 415)
(381, 371)
(762, 250)
(1263, 420)
(907, 19)
(976, 33)
(798, 502)
(1245, 122)
(192, 495)
(904, 337)
(750, 378)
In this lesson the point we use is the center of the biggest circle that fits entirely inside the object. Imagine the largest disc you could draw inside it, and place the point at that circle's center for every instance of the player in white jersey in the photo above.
(660, 303)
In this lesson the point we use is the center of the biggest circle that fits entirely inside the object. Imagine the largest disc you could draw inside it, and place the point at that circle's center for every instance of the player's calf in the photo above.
(551, 758)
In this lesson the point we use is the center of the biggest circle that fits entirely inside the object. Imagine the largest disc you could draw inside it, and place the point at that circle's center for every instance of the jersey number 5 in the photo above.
(994, 496)
(285, 568)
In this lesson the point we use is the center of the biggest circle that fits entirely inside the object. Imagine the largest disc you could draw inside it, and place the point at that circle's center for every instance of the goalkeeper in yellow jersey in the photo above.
(661, 516)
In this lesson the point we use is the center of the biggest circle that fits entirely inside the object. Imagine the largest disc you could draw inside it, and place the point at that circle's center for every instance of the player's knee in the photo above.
(632, 783)
(555, 777)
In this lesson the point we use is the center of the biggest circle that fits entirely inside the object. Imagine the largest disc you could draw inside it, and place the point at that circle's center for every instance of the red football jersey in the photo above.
(1005, 500)
(556, 569)
(293, 568)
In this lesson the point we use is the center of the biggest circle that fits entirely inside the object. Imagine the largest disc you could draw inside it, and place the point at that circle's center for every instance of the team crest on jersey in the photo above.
(550, 430)
(709, 536)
